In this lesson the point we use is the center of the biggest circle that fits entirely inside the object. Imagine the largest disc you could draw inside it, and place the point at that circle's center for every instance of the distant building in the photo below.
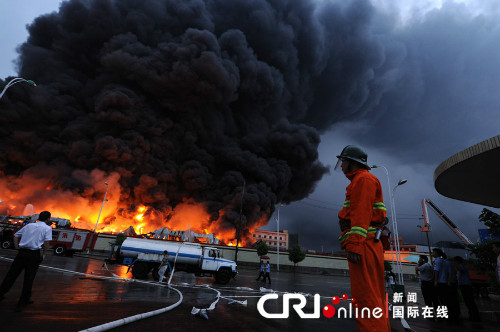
(271, 238)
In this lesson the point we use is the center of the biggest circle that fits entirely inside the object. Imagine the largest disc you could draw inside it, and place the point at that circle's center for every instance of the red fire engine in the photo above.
(66, 241)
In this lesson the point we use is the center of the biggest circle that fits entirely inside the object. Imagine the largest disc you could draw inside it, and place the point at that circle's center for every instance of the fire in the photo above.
(117, 215)
(138, 228)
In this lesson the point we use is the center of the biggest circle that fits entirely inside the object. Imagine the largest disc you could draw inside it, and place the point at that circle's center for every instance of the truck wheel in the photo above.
(155, 274)
(6, 244)
(140, 270)
(223, 277)
(60, 250)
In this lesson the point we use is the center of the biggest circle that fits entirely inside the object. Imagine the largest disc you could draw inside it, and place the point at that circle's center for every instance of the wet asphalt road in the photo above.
(65, 301)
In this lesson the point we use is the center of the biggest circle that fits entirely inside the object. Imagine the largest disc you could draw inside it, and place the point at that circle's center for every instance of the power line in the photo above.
(318, 206)
(324, 202)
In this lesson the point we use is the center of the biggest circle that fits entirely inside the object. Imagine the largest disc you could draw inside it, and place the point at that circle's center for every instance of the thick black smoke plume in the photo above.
(190, 99)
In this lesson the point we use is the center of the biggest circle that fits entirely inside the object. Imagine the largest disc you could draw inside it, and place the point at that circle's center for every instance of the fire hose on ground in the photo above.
(122, 321)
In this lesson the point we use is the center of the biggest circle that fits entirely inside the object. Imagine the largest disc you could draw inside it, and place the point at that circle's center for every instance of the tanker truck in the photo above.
(145, 255)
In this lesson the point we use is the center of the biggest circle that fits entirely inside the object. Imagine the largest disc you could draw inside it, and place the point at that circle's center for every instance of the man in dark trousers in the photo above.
(268, 272)
(425, 273)
(32, 242)
(261, 271)
(465, 286)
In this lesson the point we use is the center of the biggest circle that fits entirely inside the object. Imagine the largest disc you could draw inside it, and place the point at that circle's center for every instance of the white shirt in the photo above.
(426, 272)
(34, 235)
(391, 280)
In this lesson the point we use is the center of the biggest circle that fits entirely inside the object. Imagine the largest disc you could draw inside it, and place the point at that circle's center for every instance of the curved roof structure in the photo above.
(472, 175)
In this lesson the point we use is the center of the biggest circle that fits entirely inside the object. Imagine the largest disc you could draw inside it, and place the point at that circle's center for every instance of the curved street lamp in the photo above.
(278, 238)
(14, 81)
(394, 223)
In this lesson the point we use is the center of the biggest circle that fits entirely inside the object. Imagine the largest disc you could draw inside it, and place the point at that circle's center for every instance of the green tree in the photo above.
(296, 255)
(485, 257)
(491, 220)
(262, 249)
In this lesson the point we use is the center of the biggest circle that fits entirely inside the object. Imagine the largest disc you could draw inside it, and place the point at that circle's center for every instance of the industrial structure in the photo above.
(472, 175)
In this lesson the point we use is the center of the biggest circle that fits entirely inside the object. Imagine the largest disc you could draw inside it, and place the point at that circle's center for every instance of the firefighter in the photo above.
(162, 270)
(363, 214)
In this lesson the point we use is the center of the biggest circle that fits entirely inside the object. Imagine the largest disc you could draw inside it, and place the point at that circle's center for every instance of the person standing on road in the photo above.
(441, 272)
(454, 309)
(262, 271)
(392, 283)
(32, 242)
(465, 286)
(268, 273)
(163, 266)
(496, 250)
(426, 276)
(363, 214)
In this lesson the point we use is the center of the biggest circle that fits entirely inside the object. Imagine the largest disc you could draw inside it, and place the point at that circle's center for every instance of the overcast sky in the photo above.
(446, 99)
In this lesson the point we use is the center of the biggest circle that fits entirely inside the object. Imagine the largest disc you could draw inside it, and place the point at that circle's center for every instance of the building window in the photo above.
(281, 238)
(265, 236)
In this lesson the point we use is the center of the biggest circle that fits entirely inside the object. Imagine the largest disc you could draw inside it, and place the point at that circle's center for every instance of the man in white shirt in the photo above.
(32, 241)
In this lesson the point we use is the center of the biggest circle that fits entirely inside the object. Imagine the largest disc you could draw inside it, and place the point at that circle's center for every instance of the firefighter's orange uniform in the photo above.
(364, 208)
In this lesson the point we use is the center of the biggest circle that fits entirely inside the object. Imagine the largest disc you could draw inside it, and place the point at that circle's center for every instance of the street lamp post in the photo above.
(278, 239)
(394, 223)
(103, 201)
(14, 81)
(398, 248)
(238, 228)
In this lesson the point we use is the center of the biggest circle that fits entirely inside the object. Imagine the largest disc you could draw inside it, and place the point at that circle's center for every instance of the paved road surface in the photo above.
(65, 301)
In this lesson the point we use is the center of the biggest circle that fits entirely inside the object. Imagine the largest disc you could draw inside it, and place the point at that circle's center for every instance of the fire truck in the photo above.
(8, 227)
(65, 240)
(70, 240)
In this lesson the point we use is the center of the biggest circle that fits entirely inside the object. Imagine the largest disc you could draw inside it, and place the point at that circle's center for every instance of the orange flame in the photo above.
(118, 215)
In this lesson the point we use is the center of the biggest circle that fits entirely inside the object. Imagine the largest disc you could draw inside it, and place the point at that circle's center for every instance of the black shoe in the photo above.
(24, 303)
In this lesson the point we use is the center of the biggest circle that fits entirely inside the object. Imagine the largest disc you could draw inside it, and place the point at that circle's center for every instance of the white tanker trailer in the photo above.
(144, 255)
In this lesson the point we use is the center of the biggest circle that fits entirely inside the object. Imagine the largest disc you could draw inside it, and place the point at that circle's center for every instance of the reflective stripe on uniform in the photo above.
(357, 230)
(376, 206)
(354, 230)
(379, 206)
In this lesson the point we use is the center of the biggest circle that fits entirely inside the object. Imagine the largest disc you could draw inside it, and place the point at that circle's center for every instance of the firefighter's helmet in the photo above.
(353, 152)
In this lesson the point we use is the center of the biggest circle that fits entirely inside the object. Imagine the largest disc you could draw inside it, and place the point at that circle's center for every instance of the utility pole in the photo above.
(239, 224)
